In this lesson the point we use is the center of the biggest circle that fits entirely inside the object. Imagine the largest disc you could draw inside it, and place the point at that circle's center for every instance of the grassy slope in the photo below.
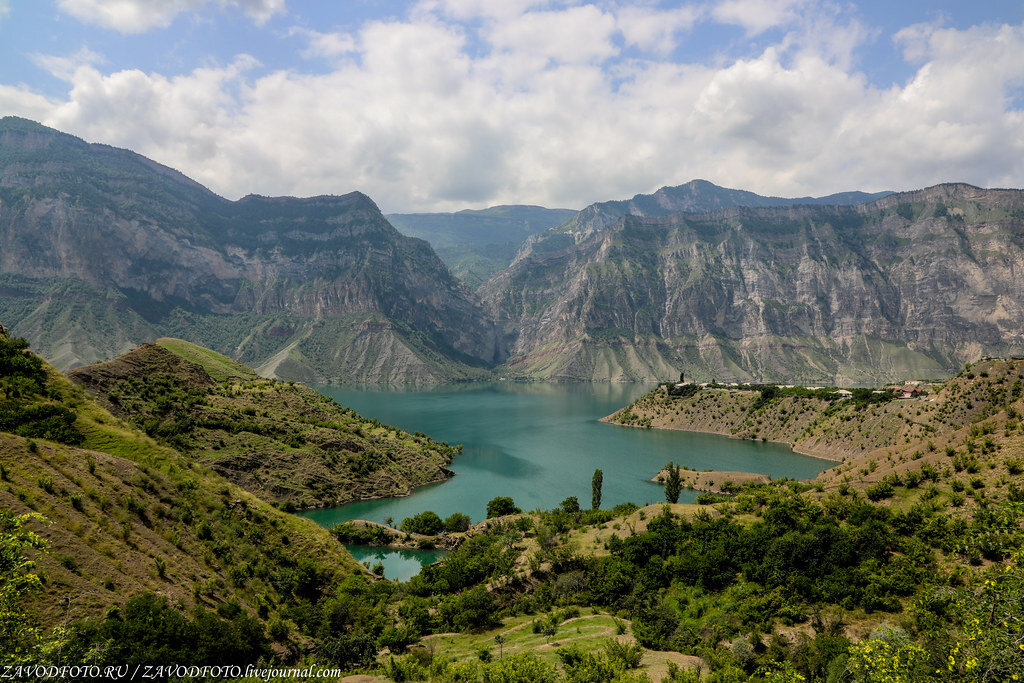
(218, 366)
(121, 505)
(967, 423)
(589, 632)
(284, 442)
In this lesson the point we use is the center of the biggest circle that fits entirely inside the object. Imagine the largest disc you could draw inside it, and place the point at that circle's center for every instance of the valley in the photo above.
(193, 401)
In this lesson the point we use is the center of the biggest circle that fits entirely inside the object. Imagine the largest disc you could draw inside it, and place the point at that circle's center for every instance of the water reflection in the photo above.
(399, 564)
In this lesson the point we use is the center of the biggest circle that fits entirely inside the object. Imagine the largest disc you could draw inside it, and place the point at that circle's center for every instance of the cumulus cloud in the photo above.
(427, 113)
(139, 16)
(757, 16)
(576, 34)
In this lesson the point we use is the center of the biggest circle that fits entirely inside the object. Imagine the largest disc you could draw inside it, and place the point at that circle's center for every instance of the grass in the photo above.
(589, 632)
(125, 514)
(220, 367)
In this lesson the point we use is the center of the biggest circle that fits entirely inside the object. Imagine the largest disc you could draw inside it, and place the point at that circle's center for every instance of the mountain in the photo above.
(101, 249)
(694, 196)
(912, 284)
(282, 441)
(123, 514)
(477, 243)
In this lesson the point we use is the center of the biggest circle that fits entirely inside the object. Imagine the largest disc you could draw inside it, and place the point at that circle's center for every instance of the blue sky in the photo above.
(447, 104)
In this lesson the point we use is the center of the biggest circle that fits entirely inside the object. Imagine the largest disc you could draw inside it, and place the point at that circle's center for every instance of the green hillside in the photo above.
(284, 442)
(124, 517)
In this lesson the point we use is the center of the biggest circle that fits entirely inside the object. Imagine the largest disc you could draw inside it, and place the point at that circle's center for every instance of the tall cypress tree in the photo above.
(598, 481)
(674, 484)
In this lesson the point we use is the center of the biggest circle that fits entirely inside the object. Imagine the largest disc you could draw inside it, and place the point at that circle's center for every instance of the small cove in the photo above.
(399, 564)
(540, 443)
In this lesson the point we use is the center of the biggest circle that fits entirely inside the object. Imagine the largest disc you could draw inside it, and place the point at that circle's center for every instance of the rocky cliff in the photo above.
(912, 284)
(145, 250)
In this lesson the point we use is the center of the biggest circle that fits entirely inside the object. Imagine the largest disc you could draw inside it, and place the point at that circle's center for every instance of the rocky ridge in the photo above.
(147, 251)
(910, 285)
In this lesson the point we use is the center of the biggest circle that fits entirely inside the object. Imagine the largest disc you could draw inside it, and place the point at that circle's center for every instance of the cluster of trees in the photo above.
(28, 407)
(715, 587)
(429, 523)
(718, 587)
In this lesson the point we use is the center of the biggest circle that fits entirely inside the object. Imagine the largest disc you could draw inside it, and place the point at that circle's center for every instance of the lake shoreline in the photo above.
(811, 454)
(539, 444)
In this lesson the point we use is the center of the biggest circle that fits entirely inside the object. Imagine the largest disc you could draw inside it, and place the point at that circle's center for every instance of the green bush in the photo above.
(500, 506)
(426, 523)
(456, 522)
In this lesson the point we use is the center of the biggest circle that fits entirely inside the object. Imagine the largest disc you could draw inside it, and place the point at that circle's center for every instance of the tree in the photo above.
(522, 667)
(570, 505)
(500, 506)
(595, 486)
(674, 484)
(426, 523)
(18, 637)
(457, 521)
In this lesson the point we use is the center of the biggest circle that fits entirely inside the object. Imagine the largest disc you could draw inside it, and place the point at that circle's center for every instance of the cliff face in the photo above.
(913, 283)
(168, 253)
(694, 196)
(102, 249)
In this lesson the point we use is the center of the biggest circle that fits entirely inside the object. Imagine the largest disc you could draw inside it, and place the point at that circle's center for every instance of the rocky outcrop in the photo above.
(913, 284)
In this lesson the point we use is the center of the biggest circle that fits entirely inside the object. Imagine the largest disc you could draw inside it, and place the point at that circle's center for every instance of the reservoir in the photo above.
(540, 443)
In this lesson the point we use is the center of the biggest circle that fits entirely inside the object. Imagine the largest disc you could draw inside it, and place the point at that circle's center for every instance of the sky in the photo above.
(439, 105)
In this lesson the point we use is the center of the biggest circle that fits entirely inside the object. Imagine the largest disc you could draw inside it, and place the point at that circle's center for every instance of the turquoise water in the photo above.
(540, 443)
(399, 565)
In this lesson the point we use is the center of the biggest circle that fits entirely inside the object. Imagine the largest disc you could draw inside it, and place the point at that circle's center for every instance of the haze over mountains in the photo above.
(102, 249)
(476, 244)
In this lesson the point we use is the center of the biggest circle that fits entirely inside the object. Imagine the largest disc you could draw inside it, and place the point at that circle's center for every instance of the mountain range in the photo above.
(477, 243)
(102, 249)
(912, 284)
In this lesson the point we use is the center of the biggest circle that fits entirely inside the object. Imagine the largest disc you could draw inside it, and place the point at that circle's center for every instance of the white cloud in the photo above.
(757, 16)
(65, 67)
(5, 8)
(139, 16)
(475, 9)
(427, 114)
(20, 101)
(655, 30)
(325, 45)
(576, 34)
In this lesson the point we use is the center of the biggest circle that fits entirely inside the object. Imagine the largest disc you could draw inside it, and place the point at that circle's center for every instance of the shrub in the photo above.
(426, 523)
(500, 506)
(457, 521)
